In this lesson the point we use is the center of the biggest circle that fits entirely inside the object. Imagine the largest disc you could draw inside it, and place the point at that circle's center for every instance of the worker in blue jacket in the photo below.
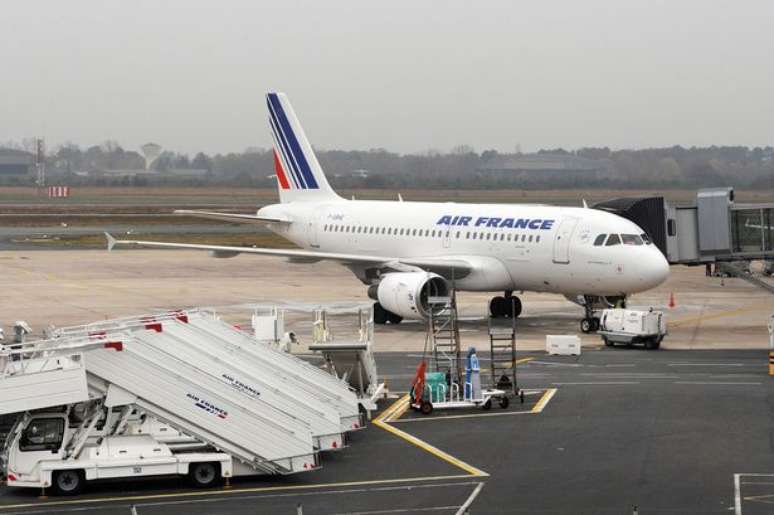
(472, 376)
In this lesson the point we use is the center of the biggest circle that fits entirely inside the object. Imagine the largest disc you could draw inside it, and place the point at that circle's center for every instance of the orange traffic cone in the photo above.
(671, 300)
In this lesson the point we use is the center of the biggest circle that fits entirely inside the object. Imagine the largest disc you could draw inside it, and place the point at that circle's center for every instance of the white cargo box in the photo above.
(563, 345)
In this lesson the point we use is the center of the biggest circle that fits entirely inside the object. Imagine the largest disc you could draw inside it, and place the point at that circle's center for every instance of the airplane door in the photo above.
(446, 238)
(562, 239)
(313, 228)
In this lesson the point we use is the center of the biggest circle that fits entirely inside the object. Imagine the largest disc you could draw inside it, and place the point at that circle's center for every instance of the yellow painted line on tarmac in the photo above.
(382, 422)
(227, 492)
(544, 400)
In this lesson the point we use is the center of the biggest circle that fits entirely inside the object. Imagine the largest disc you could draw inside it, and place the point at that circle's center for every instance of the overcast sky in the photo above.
(406, 76)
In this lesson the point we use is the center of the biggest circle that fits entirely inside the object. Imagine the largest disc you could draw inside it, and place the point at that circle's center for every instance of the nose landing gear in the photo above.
(505, 307)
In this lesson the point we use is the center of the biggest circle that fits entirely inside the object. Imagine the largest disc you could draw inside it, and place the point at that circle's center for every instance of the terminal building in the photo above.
(15, 162)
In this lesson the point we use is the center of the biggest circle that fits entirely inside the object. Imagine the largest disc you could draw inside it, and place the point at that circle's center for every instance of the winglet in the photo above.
(585, 204)
(111, 242)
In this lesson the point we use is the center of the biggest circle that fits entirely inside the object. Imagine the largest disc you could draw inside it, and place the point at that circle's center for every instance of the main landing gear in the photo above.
(506, 306)
(382, 316)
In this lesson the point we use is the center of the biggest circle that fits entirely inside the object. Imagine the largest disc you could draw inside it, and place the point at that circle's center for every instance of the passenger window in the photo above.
(613, 239)
(458, 235)
(488, 236)
(523, 237)
(43, 434)
(467, 235)
(530, 238)
(509, 237)
(537, 239)
(600, 240)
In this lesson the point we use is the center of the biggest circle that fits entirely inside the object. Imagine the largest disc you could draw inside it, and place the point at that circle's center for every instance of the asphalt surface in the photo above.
(666, 431)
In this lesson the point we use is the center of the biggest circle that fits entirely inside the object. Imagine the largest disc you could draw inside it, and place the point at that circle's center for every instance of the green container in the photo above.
(436, 383)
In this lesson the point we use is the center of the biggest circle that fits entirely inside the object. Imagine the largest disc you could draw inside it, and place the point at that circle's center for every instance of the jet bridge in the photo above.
(128, 368)
(714, 228)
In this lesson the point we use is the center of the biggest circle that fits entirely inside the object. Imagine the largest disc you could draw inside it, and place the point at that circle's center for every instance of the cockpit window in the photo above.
(645, 238)
(600, 240)
(631, 239)
(613, 239)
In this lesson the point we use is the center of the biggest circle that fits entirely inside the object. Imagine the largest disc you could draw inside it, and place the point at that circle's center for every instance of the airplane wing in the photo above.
(232, 217)
(446, 267)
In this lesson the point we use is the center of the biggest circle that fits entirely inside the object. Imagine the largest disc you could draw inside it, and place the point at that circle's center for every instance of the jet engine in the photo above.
(406, 293)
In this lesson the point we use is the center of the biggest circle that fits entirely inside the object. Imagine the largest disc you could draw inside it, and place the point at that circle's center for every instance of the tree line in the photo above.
(460, 168)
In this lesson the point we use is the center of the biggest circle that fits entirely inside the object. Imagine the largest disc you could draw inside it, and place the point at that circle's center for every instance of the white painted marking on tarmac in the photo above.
(737, 496)
(717, 383)
(706, 364)
(598, 382)
(620, 365)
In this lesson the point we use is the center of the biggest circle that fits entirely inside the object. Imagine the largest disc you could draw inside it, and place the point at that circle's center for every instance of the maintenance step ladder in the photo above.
(502, 354)
(444, 334)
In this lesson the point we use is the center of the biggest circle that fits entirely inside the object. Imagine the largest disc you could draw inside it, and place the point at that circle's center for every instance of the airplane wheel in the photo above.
(514, 307)
(381, 315)
(586, 325)
(498, 307)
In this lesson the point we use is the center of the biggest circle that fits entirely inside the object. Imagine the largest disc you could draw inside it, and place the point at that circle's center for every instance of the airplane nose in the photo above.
(655, 269)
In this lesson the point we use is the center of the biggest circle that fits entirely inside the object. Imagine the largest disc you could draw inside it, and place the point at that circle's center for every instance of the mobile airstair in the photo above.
(295, 386)
(127, 369)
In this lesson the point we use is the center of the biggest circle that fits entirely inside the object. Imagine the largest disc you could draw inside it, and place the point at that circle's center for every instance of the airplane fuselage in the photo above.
(513, 246)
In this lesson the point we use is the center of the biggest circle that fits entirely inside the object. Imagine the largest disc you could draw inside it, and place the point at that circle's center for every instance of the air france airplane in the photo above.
(406, 252)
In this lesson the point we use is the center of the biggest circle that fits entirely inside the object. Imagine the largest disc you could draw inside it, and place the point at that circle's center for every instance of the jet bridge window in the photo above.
(631, 239)
(42, 434)
(600, 240)
(613, 239)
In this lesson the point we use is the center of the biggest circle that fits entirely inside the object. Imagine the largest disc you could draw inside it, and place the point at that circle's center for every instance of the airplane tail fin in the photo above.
(299, 175)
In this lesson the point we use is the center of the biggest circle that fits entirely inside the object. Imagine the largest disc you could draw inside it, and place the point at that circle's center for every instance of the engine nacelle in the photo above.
(406, 293)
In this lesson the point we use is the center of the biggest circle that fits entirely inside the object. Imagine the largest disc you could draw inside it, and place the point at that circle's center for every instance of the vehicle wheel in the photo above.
(393, 318)
(68, 482)
(204, 475)
(380, 314)
(607, 341)
(426, 407)
(586, 325)
(504, 402)
(498, 306)
(488, 404)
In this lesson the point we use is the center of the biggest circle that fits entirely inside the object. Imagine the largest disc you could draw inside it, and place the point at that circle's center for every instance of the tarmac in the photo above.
(76, 286)
(686, 429)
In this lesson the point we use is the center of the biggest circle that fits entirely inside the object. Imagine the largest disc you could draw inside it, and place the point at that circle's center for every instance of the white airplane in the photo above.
(406, 252)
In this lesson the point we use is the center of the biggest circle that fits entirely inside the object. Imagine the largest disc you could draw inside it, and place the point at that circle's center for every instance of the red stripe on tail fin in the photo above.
(280, 172)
